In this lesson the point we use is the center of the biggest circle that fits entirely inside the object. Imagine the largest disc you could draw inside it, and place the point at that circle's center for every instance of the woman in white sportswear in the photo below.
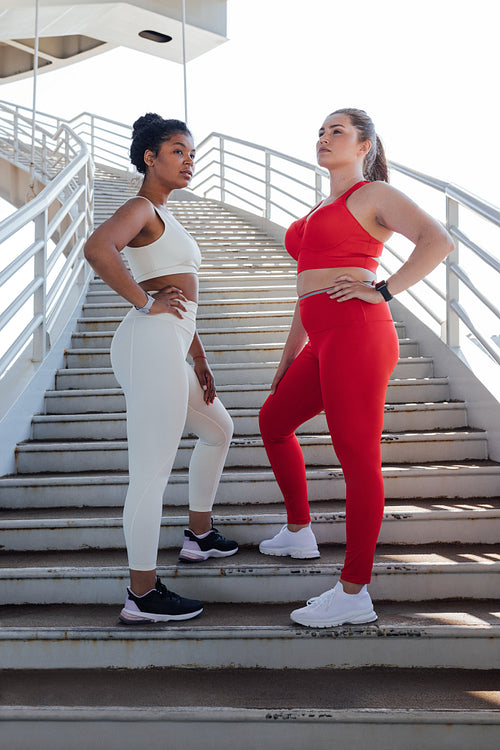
(164, 394)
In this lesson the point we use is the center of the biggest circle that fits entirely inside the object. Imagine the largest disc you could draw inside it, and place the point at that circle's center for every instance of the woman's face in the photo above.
(338, 143)
(174, 163)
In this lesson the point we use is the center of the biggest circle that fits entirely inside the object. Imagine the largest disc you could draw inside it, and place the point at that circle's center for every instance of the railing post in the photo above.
(92, 137)
(267, 210)
(222, 170)
(16, 135)
(45, 161)
(83, 228)
(66, 147)
(317, 188)
(452, 323)
(40, 296)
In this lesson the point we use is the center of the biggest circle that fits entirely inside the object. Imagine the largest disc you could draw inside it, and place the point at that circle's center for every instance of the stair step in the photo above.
(73, 529)
(246, 281)
(230, 306)
(425, 390)
(446, 415)
(95, 352)
(262, 320)
(112, 455)
(437, 480)
(225, 706)
(409, 573)
(211, 292)
(225, 374)
(438, 633)
(210, 336)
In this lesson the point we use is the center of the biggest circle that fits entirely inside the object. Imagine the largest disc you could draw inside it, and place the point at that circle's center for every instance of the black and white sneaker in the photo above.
(196, 549)
(158, 605)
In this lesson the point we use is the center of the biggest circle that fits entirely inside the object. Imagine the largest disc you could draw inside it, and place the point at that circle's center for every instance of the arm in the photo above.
(103, 248)
(396, 212)
(432, 242)
(297, 339)
(202, 369)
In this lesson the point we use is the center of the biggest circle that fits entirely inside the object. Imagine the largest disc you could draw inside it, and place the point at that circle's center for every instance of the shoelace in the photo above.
(324, 598)
(164, 592)
(217, 533)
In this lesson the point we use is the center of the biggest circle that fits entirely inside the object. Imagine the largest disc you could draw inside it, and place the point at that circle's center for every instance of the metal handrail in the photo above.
(279, 187)
(63, 162)
(441, 308)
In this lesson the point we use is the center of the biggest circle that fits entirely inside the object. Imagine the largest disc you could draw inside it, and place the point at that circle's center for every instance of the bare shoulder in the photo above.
(382, 191)
(134, 217)
(136, 206)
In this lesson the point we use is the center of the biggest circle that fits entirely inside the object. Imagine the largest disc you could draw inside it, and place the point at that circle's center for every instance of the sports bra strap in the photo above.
(352, 189)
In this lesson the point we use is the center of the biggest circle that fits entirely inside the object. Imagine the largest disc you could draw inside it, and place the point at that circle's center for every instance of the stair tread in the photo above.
(77, 444)
(249, 412)
(436, 614)
(246, 473)
(379, 689)
(322, 512)
(52, 393)
(459, 556)
(223, 513)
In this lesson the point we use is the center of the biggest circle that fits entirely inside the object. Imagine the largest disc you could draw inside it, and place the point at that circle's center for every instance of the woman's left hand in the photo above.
(206, 378)
(347, 287)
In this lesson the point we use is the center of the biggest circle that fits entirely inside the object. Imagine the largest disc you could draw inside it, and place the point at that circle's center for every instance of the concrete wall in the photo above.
(483, 408)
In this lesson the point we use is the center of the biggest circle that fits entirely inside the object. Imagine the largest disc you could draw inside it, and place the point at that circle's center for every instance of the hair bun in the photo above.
(145, 121)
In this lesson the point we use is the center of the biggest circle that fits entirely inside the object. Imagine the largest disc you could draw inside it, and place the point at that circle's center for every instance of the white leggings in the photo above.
(163, 395)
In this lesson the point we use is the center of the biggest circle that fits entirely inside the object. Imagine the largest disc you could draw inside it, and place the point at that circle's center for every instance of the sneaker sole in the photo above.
(188, 556)
(132, 618)
(298, 554)
(354, 620)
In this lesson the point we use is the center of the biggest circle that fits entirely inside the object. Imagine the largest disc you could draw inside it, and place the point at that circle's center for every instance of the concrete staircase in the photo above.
(62, 581)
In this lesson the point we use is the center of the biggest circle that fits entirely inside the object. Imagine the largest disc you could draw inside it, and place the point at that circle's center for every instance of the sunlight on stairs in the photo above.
(437, 565)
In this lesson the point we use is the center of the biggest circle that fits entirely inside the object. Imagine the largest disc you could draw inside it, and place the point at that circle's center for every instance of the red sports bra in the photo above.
(332, 238)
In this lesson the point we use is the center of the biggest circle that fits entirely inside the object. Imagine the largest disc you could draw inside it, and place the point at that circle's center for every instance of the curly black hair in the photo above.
(149, 132)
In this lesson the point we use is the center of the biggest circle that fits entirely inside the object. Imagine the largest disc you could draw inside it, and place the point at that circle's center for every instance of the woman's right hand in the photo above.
(282, 368)
(169, 299)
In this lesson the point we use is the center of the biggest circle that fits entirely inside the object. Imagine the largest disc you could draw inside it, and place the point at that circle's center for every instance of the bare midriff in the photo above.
(186, 282)
(321, 278)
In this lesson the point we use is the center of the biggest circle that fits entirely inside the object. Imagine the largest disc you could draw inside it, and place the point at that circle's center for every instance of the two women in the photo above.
(341, 350)
(148, 354)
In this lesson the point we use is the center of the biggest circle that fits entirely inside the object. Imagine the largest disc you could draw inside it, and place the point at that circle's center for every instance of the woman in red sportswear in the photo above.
(341, 350)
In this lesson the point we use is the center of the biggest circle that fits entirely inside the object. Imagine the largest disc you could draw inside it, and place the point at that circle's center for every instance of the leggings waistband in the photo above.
(312, 294)
(327, 289)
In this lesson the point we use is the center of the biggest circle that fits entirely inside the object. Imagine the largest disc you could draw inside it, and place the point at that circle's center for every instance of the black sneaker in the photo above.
(214, 544)
(158, 605)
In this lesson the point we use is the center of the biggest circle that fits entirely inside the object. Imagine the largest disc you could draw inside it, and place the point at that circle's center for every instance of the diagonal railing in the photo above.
(48, 267)
(456, 300)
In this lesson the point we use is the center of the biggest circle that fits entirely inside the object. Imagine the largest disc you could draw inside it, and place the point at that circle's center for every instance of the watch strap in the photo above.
(146, 307)
(381, 286)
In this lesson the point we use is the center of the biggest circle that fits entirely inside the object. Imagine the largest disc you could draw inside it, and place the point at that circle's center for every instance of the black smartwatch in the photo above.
(381, 286)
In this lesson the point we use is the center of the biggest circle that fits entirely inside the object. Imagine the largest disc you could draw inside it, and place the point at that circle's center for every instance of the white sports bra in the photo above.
(174, 252)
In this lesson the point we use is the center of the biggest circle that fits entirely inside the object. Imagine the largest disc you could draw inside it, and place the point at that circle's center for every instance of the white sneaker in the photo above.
(300, 544)
(335, 607)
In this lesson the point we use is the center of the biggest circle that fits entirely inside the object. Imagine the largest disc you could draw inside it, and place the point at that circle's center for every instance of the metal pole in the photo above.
(452, 282)
(35, 78)
(184, 58)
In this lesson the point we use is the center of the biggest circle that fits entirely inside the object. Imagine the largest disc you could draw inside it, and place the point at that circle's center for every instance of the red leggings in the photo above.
(344, 369)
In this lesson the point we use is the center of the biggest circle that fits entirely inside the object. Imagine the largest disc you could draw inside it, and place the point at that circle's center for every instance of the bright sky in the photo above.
(427, 73)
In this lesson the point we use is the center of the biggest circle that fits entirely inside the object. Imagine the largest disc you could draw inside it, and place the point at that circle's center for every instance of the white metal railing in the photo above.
(35, 285)
(455, 299)
(107, 140)
(280, 188)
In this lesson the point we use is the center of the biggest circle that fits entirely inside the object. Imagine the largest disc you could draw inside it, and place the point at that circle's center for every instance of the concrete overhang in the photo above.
(70, 32)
